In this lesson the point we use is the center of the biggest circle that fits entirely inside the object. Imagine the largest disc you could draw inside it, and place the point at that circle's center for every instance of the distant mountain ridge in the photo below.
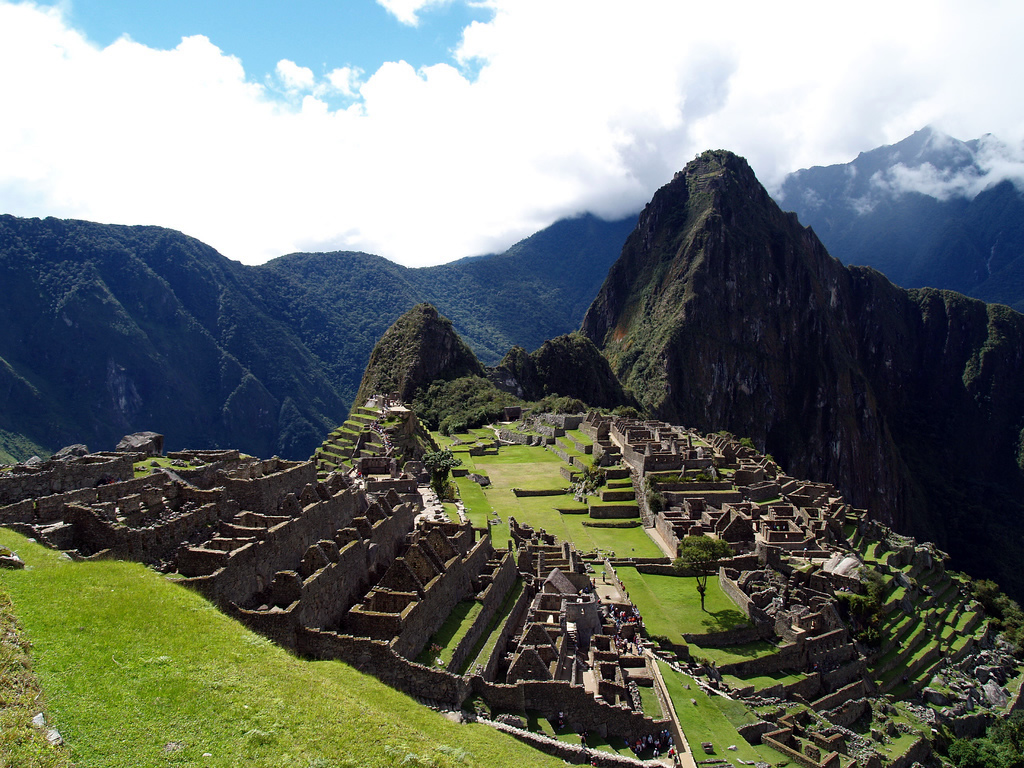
(923, 211)
(723, 312)
(112, 329)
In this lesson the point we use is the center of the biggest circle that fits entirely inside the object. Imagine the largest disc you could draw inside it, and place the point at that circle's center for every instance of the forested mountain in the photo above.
(112, 329)
(922, 212)
(723, 312)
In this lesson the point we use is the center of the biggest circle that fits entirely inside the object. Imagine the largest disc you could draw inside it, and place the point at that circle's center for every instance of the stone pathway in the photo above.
(433, 509)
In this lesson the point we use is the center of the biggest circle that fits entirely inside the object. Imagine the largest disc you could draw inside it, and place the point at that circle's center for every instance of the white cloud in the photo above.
(992, 162)
(572, 106)
(345, 80)
(294, 77)
(406, 11)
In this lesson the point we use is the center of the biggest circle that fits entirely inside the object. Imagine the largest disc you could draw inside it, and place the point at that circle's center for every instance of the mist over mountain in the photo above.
(724, 312)
(928, 211)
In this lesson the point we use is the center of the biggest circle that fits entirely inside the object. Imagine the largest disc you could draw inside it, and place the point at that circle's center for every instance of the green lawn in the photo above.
(137, 671)
(652, 707)
(670, 605)
(734, 654)
(701, 720)
(533, 468)
(444, 642)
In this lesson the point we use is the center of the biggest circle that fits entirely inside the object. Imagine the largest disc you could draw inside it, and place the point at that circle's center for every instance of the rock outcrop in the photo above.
(570, 365)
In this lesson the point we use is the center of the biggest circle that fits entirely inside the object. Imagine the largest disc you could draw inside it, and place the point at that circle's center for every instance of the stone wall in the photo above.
(848, 713)
(150, 544)
(614, 511)
(441, 596)
(491, 600)
(58, 476)
(250, 569)
(737, 636)
(517, 438)
(775, 741)
(737, 595)
(377, 658)
(511, 626)
(262, 486)
(571, 753)
(836, 698)
(562, 420)
(329, 592)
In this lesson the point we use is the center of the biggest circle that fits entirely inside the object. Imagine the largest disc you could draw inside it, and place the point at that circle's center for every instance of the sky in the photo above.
(430, 130)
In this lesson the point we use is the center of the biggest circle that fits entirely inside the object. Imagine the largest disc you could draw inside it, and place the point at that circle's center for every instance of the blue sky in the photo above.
(321, 35)
(429, 130)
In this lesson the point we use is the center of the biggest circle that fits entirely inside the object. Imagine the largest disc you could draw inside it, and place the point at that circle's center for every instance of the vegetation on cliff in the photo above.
(420, 347)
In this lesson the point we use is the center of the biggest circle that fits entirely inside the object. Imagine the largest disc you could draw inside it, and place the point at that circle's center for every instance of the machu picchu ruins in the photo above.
(351, 556)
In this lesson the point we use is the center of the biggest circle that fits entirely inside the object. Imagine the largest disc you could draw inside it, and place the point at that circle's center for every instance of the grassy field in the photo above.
(702, 720)
(670, 605)
(137, 671)
(533, 468)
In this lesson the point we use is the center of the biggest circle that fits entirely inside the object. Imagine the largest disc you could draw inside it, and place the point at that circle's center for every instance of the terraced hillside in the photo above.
(372, 431)
(928, 618)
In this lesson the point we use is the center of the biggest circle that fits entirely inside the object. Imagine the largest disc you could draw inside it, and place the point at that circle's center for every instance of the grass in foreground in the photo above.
(140, 672)
(21, 743)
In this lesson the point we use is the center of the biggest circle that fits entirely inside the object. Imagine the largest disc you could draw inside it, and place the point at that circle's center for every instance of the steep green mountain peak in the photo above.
(421, 346)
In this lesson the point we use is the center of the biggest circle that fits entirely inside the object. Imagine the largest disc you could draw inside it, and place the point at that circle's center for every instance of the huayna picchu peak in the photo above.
(724, 312)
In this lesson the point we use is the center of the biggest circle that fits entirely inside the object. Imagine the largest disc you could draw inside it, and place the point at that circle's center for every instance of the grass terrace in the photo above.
(762, 681)
(137, 672)
(482, 652)
(145, 466)
(670, 605)
(442, 645)
(702, 720)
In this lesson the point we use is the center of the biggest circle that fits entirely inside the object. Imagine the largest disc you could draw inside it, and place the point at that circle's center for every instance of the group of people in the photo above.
(658, 743)
(626, 615)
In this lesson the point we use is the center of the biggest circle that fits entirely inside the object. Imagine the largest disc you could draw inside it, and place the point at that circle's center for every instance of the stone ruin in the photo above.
(339, 569)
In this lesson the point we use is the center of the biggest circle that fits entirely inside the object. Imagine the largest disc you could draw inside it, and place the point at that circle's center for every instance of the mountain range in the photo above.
(724, 312)
(928, 211)
(112, 329)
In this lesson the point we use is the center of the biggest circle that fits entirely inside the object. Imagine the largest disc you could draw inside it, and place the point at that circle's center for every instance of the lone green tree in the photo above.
(701, 555)
(439, 464)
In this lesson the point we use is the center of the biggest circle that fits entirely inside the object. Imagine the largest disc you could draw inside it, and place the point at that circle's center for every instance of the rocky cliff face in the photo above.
(723, 312)
(420, 347)
(569, 365)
